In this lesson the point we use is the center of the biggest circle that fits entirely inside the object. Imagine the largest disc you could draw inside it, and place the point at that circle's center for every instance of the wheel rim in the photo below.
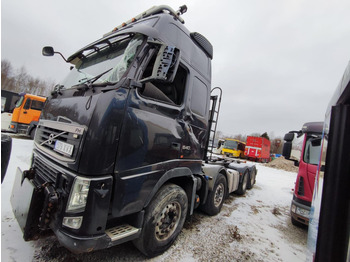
(219, 195)
(168, 221)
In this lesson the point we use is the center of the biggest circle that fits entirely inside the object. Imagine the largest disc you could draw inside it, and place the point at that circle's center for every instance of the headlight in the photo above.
(78, 195)
(293, 208)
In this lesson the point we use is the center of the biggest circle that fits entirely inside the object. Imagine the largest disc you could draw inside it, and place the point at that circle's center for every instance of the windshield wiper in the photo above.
(57, 90)
(90, 82)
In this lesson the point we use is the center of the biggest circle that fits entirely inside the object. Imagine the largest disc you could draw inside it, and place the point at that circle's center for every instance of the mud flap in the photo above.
(26, 201)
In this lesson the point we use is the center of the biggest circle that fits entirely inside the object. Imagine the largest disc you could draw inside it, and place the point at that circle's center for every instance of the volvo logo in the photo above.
(51, 138)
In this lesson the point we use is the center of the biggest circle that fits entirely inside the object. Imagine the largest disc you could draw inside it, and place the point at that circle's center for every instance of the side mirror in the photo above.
(48, 51)
(287, 149)
(166, 64)
(289, 137)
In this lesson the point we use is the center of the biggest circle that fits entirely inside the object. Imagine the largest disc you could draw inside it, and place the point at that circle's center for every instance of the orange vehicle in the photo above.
(26, 115)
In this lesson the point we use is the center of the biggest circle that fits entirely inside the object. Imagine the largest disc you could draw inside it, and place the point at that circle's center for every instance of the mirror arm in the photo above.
(61, 56)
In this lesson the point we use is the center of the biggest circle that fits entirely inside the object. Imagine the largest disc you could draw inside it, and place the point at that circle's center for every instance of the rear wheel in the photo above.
(164, 219)
(252, 179)
(243, 185)
(216, 197)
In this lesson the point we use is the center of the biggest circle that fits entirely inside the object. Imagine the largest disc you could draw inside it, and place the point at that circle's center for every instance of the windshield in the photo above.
(20, 101)
(230, 144)
(110, 58)
(311, 153)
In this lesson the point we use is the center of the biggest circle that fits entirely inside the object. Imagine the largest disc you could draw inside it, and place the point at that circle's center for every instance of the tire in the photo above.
(32, 133)
(164, 219)
(6, 145)
(216, 197)
(242, 187)
(252, 179)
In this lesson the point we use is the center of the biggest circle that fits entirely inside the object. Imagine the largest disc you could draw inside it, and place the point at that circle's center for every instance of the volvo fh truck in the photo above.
(121, 149)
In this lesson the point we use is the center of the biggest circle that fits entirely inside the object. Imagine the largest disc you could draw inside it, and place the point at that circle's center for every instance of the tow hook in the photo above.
(30, 174)
(49, 207)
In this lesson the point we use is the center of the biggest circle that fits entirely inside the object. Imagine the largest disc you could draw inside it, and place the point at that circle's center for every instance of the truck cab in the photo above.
(309, 159)
(233, 148)
(26, 114)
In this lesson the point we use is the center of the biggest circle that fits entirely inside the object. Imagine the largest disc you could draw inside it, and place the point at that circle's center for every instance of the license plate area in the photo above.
(64, 148)
(302, 212)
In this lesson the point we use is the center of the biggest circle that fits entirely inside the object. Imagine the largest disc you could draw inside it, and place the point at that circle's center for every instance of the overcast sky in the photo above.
(278, 62)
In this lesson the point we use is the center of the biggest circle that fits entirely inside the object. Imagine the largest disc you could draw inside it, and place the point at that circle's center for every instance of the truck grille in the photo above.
(46, 172)
(49, 132)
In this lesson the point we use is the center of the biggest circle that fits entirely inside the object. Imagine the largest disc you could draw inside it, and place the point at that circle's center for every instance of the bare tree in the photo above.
(240, 137)
(20, 81)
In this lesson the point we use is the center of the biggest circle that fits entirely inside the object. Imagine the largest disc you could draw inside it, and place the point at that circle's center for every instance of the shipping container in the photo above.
(258, 149)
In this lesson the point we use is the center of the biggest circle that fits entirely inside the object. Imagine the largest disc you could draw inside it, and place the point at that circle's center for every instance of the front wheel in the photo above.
(164, 219)
(216, 197)
(32, 133)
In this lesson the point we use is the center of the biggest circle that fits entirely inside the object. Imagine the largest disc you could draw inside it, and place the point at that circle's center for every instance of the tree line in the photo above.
(18, 80)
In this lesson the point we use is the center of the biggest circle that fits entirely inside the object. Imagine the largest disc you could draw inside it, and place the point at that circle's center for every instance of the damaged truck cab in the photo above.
(119, 149)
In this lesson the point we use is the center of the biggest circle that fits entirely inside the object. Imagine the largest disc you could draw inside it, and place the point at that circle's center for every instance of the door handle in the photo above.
(175, 145)
(25, 112)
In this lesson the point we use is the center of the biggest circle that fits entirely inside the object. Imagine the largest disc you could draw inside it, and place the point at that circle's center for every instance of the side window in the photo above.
(27, 104)
(170, 93)
(312, 153)
(199, 97)
(37, 105)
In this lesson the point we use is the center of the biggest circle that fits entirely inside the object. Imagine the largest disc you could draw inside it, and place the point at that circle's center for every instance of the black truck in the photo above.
(122, 149)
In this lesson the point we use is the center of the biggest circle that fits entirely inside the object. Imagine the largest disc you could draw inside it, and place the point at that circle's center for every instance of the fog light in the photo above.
(72, 222)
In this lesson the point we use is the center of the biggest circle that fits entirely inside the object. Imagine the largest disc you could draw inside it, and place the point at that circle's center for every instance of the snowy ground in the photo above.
(254, 227)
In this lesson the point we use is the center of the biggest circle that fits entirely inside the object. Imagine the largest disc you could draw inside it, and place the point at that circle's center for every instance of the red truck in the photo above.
(258, 149)
(304, 185)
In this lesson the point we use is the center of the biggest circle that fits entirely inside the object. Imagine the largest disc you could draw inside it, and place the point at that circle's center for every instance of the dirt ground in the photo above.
(284, 164)
(200, 240)
(219, 238)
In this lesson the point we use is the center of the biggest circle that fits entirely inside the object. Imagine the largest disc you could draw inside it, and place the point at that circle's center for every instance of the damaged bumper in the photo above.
(39, 206)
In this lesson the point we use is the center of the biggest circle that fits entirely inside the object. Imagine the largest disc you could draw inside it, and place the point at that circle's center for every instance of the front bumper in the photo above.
(19, 128)
(39, 200)
(300, 212)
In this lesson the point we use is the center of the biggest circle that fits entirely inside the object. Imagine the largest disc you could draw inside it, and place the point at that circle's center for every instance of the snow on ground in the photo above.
(253, 227)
